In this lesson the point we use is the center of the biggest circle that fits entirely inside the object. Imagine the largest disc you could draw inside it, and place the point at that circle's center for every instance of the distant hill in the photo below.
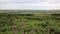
(30, 11)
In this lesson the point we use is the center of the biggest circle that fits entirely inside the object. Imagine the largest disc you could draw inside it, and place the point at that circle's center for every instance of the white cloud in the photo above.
(37, 4)
(4, 0)
(30, 6)
(49, 1)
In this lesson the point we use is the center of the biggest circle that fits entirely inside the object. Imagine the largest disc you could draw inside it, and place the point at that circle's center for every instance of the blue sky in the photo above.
(30, 4)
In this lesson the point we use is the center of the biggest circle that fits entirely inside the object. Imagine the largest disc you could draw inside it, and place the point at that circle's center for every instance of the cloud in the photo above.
(49, 1)
(30, 4)
(4, 0)
(31, 1)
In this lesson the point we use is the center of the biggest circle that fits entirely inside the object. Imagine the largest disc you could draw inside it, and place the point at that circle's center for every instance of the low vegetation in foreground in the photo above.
(29, 23)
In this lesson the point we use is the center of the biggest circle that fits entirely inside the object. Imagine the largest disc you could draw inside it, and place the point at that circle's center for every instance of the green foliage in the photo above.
(40, 22)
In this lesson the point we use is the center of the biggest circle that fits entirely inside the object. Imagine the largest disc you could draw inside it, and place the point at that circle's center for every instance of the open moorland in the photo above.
(29, 21)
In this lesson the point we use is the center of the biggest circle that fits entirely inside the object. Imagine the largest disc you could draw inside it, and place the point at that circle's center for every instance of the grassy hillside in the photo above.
(30, 22)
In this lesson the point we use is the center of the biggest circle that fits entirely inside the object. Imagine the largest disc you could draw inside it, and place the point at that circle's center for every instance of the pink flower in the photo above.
(16, 30)
(22, 24)
(32, 31)
(15, 27)
(48, 30)
(22, 32)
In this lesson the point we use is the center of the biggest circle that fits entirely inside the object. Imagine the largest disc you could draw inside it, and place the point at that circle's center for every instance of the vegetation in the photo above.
(38, 22)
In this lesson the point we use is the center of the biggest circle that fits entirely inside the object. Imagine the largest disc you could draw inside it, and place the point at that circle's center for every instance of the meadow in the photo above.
(29, 21)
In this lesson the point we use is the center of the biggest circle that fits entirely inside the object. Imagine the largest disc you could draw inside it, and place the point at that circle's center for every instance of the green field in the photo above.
(29, 21)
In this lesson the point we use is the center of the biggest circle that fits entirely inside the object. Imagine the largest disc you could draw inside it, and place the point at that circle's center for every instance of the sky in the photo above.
(30, 4)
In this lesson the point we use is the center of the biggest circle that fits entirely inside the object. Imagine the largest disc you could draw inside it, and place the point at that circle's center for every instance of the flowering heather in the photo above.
(48, 30)
(16, 29)
(23, 25)
(23, 32)
(14, 26)
(32, 31)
